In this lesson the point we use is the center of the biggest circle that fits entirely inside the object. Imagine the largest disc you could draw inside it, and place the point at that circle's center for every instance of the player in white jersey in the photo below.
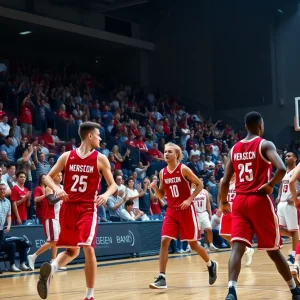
(286, 211)
(225, 224)
(203, 212)
(51, 226)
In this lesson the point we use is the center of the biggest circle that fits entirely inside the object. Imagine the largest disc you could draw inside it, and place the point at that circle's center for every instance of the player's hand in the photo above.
(100, 200)
(61, 194)
(19, 221)
(277, 200)
(185, 204)
(290, 201)
(7, 229)
(265, 189)
(226, 208)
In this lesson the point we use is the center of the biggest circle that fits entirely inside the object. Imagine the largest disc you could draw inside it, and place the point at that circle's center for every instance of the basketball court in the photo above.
(187, 278)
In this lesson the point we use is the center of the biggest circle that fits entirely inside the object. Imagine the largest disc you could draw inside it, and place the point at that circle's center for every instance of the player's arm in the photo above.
(50, 196)
(208, 206)
(292, 183)
(58, 167)
(279, 194)
(104, 167)
(229, 171)
(219, 194)
(192, 178)
(270, 152)
(159, 191)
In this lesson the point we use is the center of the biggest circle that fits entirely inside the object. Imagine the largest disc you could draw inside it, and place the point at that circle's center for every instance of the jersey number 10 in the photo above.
(246, 172)
(174, 191)
(80, 183)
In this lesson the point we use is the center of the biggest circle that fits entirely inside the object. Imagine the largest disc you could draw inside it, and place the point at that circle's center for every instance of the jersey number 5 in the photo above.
(174, 191)
(80, 183)
(246, 172)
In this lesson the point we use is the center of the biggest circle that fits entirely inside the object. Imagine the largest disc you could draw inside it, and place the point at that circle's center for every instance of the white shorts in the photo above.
(203, 221)
(52, 230)
(287, 215)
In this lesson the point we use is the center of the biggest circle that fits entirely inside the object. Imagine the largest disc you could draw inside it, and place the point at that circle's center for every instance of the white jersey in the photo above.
(285, 190)
(57, 206)
(231, 192)
(200, 202)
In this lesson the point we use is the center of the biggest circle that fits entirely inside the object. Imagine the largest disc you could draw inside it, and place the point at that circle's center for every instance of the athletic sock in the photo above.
(34, 256)
(291, 283)
(293, 253)
(209, 263)
(231, 284)
(89, 293)
(162, 274)
(54, 267)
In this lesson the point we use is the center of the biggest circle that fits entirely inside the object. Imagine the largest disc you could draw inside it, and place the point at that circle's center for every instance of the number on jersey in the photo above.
(174, 191)
(285, 188)
(80, 183)
(246, 172)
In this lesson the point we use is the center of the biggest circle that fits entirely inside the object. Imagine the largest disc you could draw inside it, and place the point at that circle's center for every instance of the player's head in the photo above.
(254, 123)
(291, 158)
(89, 133)
(172, 152)
(58, 178)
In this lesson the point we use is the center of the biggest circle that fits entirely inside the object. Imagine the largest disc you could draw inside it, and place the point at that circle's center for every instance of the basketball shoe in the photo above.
(248, 256)
(44, 280)
(295, 274)
(159, 283)
(231, 294)
(213, 272)
(291, 259)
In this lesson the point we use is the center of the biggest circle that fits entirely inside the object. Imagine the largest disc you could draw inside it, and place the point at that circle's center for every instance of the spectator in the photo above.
(16, 128)
(4, 128)
(103, 149)
(213, 187)
(61, 113)
(77, 114)
(20, 200)
(48, 139)
(121, 186)
(132, 193)
(129, 213)
(115, 206)
(209, 163)
(194, 166)
(155, 153)
(72, 145)
(42, 166)
(8, 148)
(26, 114)
(141, 170)
(2, 112)
(40, 198)
(10, 176)
(215, 148)
(15, 142)
(145, 198)
(56, 139)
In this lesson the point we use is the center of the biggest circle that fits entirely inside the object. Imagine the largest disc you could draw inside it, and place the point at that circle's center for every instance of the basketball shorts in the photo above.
(203, 221)
(255, 214)
(288, 217)
(225, 224)
(78, 225)
(182, 223)
(52, 229)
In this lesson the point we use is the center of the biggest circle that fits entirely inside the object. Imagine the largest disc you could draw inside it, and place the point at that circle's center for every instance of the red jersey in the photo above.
(177, 188)
(26, 114)
(251, 168)
(82, 177)
(41, 207)
(16, 194)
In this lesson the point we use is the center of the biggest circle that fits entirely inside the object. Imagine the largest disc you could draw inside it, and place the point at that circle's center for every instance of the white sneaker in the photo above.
(212, 247)
(248, 257)
(44, 280)
(23, 267)
(62, 268)
(14, 268)
(31, 262)
(206, 248)
(188, 249)
(295, 274)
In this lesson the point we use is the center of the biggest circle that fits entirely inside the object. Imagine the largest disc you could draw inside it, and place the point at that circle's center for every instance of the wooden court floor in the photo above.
(128, 279)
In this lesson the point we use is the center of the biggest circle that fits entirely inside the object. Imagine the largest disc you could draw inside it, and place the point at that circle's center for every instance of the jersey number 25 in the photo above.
(246, 172)
(80, 183)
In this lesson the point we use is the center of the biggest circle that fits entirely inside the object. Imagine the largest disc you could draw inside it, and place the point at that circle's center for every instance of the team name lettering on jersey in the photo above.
(172, 180)
(81, 168)
(244, 156)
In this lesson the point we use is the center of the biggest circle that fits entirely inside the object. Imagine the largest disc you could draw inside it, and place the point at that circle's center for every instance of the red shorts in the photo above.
(255, 214)
(225, 224)
(78, 225)
(52, 229)
(182, 223)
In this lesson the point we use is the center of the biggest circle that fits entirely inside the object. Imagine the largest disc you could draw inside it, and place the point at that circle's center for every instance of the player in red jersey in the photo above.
(175, 181)
(51, 224)
(226, 220)
(253, 210)
(79, 210)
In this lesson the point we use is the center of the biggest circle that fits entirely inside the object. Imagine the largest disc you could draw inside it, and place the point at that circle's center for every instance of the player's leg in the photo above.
(170, 230)
(52, 232)
(90, 270)
(189, 231)
(209, 234)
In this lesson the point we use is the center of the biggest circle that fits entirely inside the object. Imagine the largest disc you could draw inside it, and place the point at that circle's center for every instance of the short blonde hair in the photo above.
(177, 150)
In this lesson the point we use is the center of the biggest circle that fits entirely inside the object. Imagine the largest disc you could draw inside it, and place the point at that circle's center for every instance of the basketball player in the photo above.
(253, 211)
(286, 211)
(78, 213)
(203, 213)
(293, 185)
(180, 217)
(226, 220)
(51, 224)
